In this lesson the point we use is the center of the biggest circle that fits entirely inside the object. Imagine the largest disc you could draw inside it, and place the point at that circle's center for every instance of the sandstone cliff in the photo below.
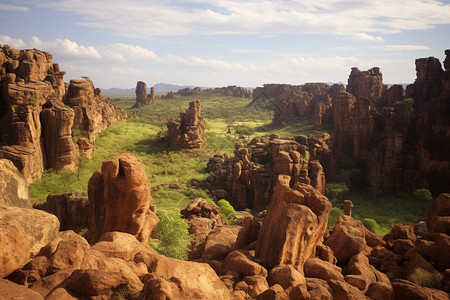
(403, 136)
(37, 114)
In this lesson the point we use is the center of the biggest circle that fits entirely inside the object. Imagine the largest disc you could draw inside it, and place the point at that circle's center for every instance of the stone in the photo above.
(120, 200)
(380, 291)
(295, 221)
(248, 232)
(345, 243)
(47, 284)
(366, 84)
(188, 131)
(220, 242)
(275, 292)
(438, 219)
(256, 285)
(348, 205)
(241, 263)
(40, 227)
(319, 289)
(61, 154)
(286, 276)
(72, 210)
(317, 268)
(11, 290)
(344, 291)
(13, 188)
(404, 289)
(141, 95)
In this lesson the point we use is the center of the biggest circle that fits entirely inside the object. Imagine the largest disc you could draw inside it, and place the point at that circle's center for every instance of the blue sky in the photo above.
(228, 42)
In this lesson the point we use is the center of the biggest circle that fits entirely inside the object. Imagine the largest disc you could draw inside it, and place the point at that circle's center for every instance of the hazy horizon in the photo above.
(218, 43)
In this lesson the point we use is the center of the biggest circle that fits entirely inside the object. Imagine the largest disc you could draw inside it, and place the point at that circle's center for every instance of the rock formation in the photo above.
(141, 95)
(311, 101)
(13, 188)
(188, 131)
(247, 179)
(120, 200)
(402, 136)
(37, 127)
(296, 220)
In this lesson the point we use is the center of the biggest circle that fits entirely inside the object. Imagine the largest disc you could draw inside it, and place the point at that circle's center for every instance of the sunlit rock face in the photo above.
(296, 220)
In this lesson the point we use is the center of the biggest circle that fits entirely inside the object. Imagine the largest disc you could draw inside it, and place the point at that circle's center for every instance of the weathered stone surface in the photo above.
(120, 200)
(13, 188)
(296, 219)
(141, 95)
(366, 84)
(93, 112)
(319, 289)
(220, 242)
(317, 268)
(61, 154)
(72, 210)
(345, 243)
(188, 131)
(241, 263)
(286, 276)
(438, 219)
(11, 290)
(404, 290)
(247, 179)
(344, 291)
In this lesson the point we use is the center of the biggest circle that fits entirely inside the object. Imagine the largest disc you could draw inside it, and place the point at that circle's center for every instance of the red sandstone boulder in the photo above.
(11, 290)
(406, 290)
(120, 199)
(239, 262)
(317, 268)
(344, 291)
(286, 276)
(438, 219)
(220, 242)
(345, 242)
(296, 219)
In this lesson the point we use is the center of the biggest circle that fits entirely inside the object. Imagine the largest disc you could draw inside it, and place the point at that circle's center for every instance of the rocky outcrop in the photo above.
(402, 136)
(13, 188)
(37, 127)
(141, 95)
(188, 131)
(366, 84)
(247, 179)
(118, 265)
(311, 101)
(438, 220)
(93, 112)
(296, 220)
(120, 200)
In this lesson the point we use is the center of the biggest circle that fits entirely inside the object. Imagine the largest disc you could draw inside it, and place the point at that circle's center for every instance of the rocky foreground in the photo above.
(290, 254)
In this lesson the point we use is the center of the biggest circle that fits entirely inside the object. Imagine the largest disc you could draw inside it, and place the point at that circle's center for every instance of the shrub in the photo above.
(372, 225)
(423, 196)
(76, 134)
(243, 130)
(427, 279)
(225, 207)
(172, 233)
(33, 101)
(336, 192)
(335, 213)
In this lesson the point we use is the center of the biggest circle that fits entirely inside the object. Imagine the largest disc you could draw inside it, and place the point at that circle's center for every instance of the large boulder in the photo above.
(438, 219)
(23, 232)
(406, 290)
(11, 290)
(120, 200)
(13, 188)
(296, 220)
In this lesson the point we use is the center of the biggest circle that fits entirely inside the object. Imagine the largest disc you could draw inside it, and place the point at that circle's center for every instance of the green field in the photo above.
(164, 166)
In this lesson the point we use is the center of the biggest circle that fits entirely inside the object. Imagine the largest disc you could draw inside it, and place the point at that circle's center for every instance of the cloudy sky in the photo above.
(228, 42)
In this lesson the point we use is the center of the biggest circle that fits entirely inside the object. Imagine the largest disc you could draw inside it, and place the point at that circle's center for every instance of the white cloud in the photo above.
(195, 61)
(8, 7)
(199, 17)
(403, 47)
(249, 51)
(125, 52)
(12, 42)
(65, 48)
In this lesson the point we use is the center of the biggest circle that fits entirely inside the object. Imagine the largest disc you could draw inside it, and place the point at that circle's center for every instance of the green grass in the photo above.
(426, 279)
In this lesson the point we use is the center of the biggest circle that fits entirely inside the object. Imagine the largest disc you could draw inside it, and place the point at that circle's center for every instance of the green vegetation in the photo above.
(172, 235)
(164, 166)
(76, 134)
(427, 279)
(335, 213)
(33, 101)
(225, 207)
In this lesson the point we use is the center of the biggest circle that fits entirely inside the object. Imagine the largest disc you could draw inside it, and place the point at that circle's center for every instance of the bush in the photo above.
(427, 279)
(372, 225)
(335, 213)
(336, 192)
(225, 207)
(173, 235)
(243, 130)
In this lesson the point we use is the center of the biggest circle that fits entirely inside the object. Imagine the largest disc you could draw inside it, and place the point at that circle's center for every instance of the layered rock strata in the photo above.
(141, 95)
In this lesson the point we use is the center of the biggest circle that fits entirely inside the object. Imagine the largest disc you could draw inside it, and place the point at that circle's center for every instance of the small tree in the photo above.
(336, 192)
(423, 196)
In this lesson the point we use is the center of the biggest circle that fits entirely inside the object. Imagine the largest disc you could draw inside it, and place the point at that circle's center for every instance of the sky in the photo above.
(215, 43)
